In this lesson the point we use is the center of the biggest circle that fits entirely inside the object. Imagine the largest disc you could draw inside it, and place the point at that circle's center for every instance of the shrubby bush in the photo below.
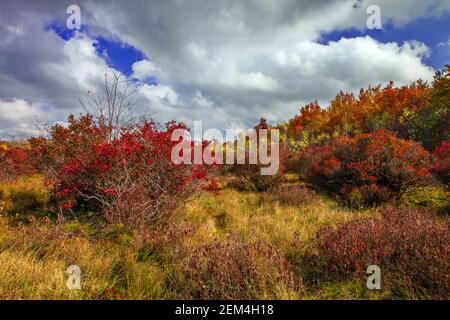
(14, 161)
(129, 179)
(441, 165)
(411, 244)
(364, 196)
(367, 168)
(253, 178)
(239, 184)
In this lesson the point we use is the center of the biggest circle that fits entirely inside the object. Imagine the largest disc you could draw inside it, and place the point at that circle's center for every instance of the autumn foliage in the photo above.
(366, 169)
(411, 244)
(130, 179)
(15, 161)
(441, 165)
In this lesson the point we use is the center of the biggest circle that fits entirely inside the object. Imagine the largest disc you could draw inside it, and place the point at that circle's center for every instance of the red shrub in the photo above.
(378, 164)
(14, 161)
(441, 165)
(130, 179)
(411, 244)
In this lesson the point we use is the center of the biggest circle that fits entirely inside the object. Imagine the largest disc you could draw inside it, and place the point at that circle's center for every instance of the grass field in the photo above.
(35, 251)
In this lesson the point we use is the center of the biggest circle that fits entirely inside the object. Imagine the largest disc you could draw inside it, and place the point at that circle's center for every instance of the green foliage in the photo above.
(431, 197)
(432, 124)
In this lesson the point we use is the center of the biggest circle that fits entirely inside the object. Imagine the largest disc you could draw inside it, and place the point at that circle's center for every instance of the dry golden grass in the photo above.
(34, 256)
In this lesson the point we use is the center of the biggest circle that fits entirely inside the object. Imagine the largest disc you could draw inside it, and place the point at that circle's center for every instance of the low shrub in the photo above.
(368, 168)
(239, 184)
(251, 172)
(364, 196)
(441, 165)
(233, 269)
(15, 161)
(130, 179)
(412, 245)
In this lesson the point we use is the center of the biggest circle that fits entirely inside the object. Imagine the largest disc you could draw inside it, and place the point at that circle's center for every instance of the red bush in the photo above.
(375, 164)
(441, 165)
(14, 161)
(412, 245)
(130, 179)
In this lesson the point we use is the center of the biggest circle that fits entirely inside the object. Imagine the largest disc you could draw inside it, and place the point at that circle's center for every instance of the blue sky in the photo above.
(117, 54)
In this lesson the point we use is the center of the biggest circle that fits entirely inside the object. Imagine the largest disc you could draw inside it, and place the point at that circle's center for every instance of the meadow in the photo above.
(35, 252)
(362, 182)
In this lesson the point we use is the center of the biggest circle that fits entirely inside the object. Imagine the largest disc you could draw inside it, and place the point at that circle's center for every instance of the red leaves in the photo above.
(130, 179)
(212, 186)
(15, 160)
(379, 162)
(70, 204)
(412, 244)
(441, 164)
(72, 167)
(110, 192)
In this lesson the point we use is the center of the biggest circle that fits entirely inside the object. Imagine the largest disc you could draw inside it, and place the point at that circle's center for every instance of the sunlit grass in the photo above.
(34, 256)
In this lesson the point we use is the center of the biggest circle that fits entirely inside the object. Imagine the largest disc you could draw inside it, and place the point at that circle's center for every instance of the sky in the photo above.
(226, 63)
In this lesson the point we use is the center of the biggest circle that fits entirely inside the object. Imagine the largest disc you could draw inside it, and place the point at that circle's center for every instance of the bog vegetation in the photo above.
(362, 182)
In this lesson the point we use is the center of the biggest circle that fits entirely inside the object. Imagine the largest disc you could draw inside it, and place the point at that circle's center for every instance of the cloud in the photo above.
(445, 47)
(144, 69)
(17, 117)
(226, 63)
(161, 97)
(80, 65)
(357, 61)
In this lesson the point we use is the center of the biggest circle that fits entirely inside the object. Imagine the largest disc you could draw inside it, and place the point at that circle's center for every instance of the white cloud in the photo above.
(445, 46)
(358, 61)
(144, 69)
(248, 81)
(18, 110)
(201, 101)
(17, 117)
(161, 97)
(80, 66)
